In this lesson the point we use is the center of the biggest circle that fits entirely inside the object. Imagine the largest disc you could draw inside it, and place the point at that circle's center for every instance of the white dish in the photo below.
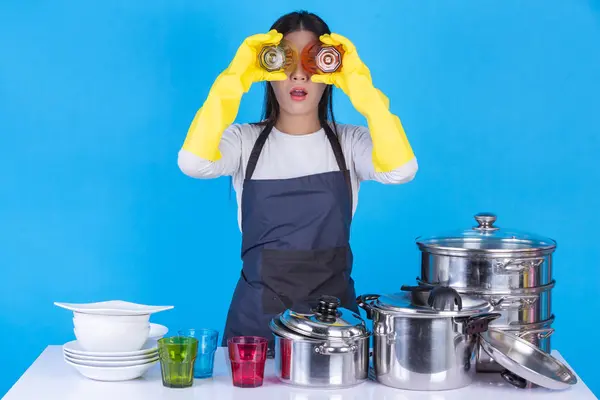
(109, 363)
(157, 331)
(101, 322)
(113, 307)
(102, 318)
(112, 339)
(112, 374)
(82, 359)
(74, 347)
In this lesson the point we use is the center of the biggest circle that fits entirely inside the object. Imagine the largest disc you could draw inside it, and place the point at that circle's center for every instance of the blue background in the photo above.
(500, 100)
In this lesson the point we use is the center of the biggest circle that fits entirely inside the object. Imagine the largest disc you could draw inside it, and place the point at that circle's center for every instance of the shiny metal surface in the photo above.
(518, 306)
(487, 259)
(486, 274)
(526, 360)
(538, 337)
(346, 324)
(420, 353)
(321, 364)
(485, 239)
(402, 303)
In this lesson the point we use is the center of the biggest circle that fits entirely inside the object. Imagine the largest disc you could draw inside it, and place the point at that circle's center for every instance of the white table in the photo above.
(50, 378)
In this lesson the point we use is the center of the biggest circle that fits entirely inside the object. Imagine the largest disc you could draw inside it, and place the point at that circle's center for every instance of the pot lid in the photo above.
(526, 360)
(325, 321)
(408, 304)
(486, 237)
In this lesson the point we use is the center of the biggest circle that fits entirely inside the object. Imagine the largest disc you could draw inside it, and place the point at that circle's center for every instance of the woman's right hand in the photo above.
(245, 64)
(222, 103)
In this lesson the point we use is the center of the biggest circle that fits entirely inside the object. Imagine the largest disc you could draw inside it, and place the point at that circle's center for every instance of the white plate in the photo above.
(157, 331)
(73, 347)
(113, 307)
(82, 359)
(109, 363)
(112, 373)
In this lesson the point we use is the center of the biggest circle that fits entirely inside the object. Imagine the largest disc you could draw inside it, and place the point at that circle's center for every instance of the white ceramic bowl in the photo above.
(112, 338)
(157, 331)
(109, 325)
(82, 317)
(112, 374)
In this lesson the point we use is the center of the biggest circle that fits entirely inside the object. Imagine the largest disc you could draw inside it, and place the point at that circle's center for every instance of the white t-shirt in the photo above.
(290, 156)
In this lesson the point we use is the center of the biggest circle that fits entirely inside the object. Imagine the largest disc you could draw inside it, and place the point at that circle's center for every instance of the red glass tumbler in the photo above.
(247, 355)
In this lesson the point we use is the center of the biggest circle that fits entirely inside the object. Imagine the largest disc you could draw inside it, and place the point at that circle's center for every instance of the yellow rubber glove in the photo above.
(391, 148)
(223, 101)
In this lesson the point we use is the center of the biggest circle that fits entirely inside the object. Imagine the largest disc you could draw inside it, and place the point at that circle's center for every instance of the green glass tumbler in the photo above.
(177, 357)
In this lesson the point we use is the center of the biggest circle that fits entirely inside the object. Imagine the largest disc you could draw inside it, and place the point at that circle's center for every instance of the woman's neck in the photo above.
(298, 124)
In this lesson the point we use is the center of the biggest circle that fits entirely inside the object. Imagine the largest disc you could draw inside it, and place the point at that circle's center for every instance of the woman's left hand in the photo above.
(353, 78)
(390, 145)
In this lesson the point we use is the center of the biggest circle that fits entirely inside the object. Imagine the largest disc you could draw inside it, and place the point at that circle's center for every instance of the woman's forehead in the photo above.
(300, 38)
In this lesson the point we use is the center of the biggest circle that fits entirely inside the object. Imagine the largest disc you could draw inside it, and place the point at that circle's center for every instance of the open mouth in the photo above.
(298, 93)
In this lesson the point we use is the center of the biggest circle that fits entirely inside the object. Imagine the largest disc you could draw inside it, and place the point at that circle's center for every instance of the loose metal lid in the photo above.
(403, 303)
(327, 321)
(526, 360)
(486, 238)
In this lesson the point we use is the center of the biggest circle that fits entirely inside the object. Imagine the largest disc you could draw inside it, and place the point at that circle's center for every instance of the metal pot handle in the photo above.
(541, 333)
(507, 302)
(519, 265)
(361, 301)
(513, 379)
(479, 323)
(326, 350)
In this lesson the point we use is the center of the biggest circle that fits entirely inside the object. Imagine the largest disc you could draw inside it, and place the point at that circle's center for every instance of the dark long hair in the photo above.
(292, 22)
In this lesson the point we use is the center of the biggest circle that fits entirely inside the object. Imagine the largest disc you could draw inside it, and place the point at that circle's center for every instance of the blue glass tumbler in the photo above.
(207, 346)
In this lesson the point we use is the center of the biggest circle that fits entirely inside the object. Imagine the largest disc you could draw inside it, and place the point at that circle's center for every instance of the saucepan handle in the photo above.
(330, 350)
(513, 379)
(480, 323)
(362, 303)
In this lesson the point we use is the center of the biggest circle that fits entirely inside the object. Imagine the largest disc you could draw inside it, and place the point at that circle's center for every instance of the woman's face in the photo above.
(298, 95)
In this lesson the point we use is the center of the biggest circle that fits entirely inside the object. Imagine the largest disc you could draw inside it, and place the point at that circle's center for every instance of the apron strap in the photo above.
(262, 139)
(258, 146)
(341, 160)
(337, 148)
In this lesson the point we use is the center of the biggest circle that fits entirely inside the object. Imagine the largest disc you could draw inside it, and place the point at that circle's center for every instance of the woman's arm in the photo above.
(362, 153)
(230, 148)
(390, 147)
(221, 106)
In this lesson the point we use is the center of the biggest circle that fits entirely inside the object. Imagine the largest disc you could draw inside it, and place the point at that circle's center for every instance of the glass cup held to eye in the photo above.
(315, 58)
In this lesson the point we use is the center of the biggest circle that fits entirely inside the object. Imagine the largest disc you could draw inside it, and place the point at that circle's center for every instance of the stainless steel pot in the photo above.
(326, 347)
(423, 347)
(486, 258)
(518, 306)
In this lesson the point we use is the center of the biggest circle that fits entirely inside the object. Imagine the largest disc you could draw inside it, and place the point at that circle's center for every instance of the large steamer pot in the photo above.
(327, 347)
(519, 306)
(419, 347)
(487, 258)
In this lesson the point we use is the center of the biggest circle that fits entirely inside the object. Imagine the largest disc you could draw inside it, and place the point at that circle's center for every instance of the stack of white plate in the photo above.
(115, 339)
(111, 366)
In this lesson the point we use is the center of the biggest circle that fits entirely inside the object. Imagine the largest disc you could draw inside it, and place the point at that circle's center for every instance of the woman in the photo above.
(296, 173)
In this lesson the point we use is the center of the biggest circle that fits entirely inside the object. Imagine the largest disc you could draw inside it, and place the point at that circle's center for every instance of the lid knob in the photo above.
(444, 298)
(486, 222)
(326, 310)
